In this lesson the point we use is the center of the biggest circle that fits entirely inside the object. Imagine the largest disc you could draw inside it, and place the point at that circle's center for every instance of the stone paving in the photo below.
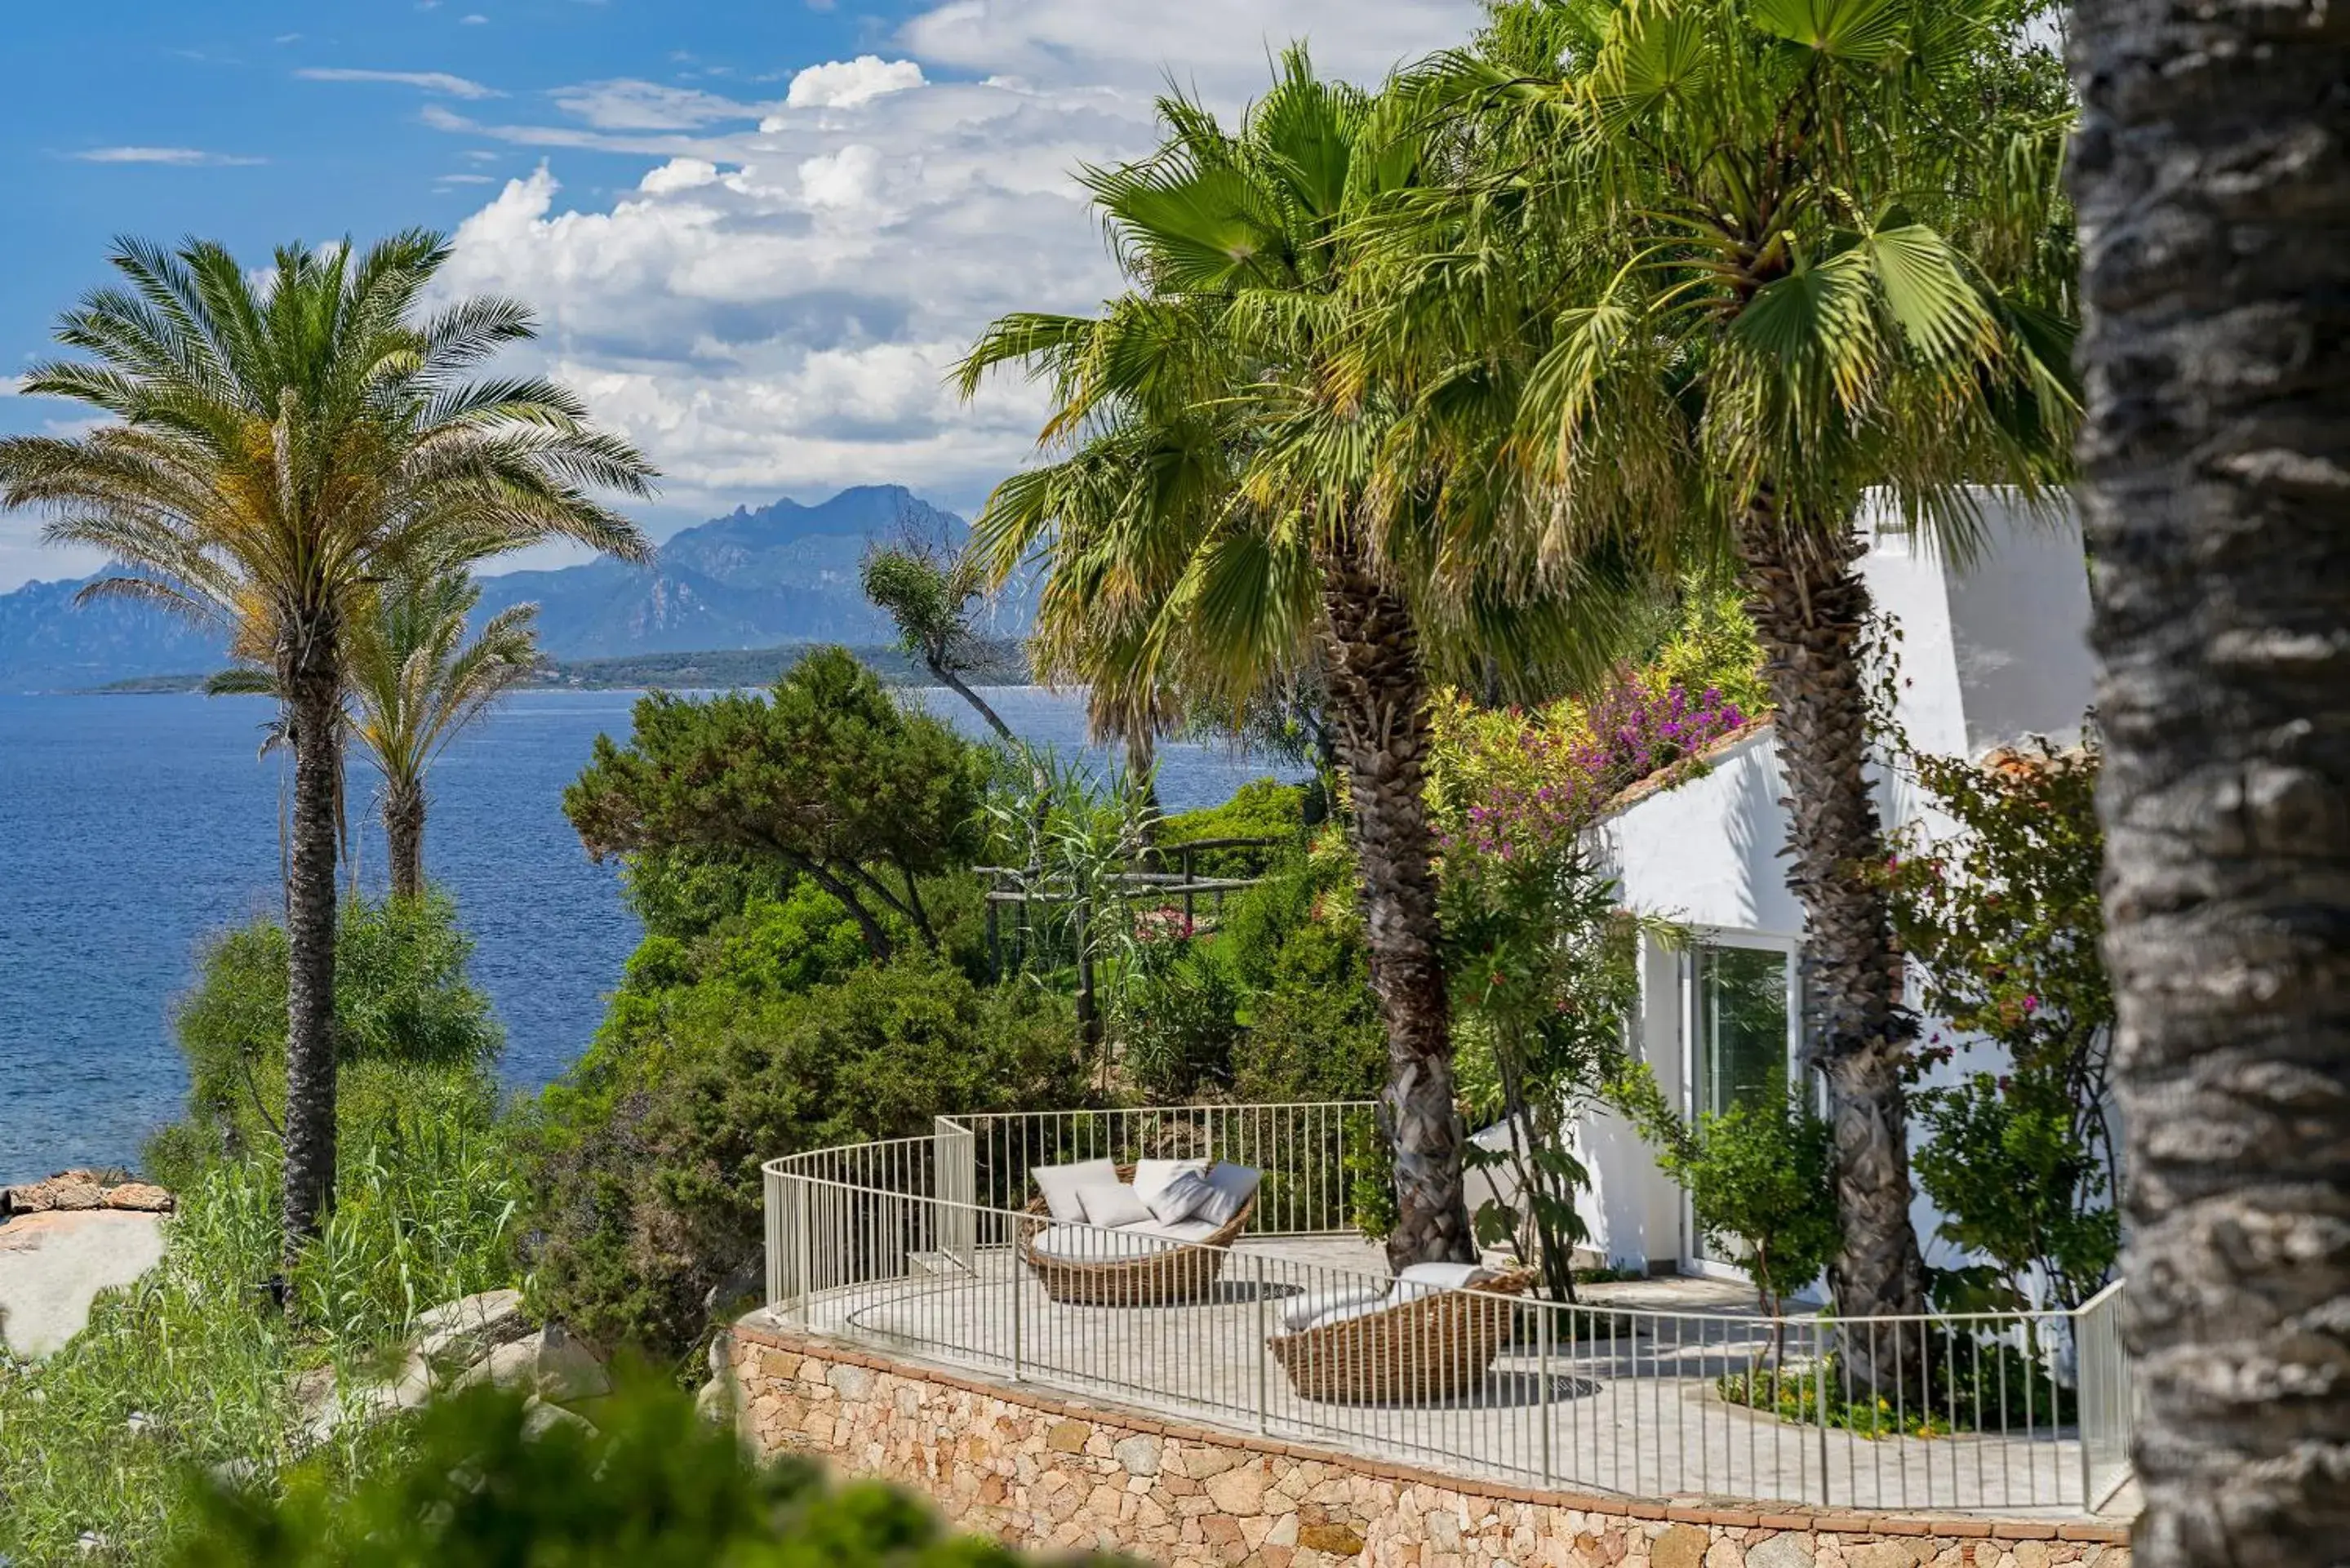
(1625, 1401)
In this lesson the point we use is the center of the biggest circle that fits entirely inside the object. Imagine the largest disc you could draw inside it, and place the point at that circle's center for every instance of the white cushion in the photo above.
(1234, 1185)
(1354, 1309)
(1151, 1175)
(1185, 1231)
(1181, 1198)
(1303, 1312)
(1111, 1202)
(1059, 1184)
(1433, 1279)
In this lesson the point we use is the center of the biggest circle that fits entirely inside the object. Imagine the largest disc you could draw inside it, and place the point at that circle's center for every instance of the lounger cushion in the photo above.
(1300, 1313)
(1091, 1244)
(1234, 1185)
(1151, 1175)
(1181, 1199)
(1112, 1203)
(1059, 1184)
(1433, 1279)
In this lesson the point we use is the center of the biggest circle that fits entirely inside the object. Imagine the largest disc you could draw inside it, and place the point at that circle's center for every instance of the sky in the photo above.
(756, 234)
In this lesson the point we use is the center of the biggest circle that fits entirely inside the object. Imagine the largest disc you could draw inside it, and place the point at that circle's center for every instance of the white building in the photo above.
(1992, 655)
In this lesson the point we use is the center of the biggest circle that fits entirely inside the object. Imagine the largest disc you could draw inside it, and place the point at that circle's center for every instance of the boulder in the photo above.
(715, 1402)
(461, 1332)
(550, 1364)
(72, 1196)
(539, 1417)
(78, 1192)
(139, 1198)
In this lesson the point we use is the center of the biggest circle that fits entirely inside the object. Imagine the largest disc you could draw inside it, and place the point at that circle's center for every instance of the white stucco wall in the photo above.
(1991, 654)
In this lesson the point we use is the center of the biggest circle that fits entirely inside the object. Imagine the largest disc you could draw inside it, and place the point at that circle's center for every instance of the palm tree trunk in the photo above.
(2212, 171)
(1379, 710)
(403, 836)
(313, 699)
(1811, 611)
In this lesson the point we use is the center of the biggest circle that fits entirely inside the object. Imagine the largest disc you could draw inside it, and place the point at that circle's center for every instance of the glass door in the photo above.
(1739, 1039)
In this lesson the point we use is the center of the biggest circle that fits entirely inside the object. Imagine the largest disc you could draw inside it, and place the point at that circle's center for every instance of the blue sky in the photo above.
(757, 233)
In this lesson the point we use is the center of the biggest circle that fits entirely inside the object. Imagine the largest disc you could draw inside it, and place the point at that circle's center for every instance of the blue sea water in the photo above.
(132, 825)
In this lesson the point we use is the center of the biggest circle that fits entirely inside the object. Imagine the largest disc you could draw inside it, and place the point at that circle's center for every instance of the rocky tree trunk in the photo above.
(1811, 611)
(310, 677)
(2212, 172)
(1379, 709)
(403, 834)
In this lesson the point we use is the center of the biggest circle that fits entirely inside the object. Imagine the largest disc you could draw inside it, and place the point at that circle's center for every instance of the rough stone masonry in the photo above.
(1039, 1469)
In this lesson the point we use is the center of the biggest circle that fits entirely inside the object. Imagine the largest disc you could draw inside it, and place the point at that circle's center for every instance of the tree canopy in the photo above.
(826, 775)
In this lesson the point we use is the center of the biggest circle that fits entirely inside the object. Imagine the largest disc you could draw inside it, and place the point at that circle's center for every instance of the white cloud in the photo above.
(777, 310)
(440, 82)
(471, 19)
(1216, 46)
(648, 106)
(177, 156)
(677, 174)
(845, 84)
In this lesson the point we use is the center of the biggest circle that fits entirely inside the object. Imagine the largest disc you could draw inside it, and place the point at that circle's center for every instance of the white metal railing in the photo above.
(921, 1246)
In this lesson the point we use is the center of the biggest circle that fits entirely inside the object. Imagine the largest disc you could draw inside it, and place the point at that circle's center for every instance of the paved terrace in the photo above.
(1631, 1408)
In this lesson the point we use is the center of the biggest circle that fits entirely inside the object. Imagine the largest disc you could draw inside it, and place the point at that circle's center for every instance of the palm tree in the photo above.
(415, 684)
(1782, 255)
(1223, 504)
(279, 443)
(2213, 191)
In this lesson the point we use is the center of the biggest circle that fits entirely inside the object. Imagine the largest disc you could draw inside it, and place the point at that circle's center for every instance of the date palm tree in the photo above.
(1783, 254)
(277, 445)
(1223, 504)
(2214, 188)
(416, 683)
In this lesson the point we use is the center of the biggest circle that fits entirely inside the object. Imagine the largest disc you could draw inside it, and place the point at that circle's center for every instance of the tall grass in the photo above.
(194, 1367)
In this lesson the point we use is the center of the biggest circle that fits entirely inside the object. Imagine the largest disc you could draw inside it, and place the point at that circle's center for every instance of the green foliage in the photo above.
(645, 1159)
(1977, 1386)
(1262, 808)
(825, 777)
(1759, 1176)
(194, 1366)
(652, 1486)
(1545, 970)
(1176, 1019)
(402, 1000)
(1711, 646)
(1293, 945)
(2003, 920)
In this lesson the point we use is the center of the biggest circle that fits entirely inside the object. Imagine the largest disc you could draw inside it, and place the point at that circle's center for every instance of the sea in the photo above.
(134, 826)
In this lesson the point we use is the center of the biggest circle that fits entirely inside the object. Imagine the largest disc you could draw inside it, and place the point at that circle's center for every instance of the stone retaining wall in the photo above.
(1038, 1469)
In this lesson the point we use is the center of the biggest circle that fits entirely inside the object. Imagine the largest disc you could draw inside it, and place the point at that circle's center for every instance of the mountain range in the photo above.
(781, 573)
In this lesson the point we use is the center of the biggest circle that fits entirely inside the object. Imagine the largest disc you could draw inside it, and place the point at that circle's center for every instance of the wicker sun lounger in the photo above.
(1147, 1273)
(1436, 1345)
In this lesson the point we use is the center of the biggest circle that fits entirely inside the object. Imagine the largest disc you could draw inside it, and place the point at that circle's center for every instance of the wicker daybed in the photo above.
(1150, 1271)
(1435, 1344)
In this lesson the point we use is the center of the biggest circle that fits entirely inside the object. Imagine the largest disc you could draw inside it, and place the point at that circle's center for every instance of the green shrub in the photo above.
(646, 1158)
(652, 1485)
(402, 1000)
(194, 1366)
(1262, 808)
(1177, 1021)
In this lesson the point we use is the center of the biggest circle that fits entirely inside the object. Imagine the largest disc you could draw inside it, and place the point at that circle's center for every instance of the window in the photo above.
(1738, 1003)
(1742, 1026)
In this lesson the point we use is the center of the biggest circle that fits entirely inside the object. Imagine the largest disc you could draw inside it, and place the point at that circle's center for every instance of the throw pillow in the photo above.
(1112, 1203)
(1181, 1198)
(1059, 1184)
(1234, 1186)
(1151, 1175)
